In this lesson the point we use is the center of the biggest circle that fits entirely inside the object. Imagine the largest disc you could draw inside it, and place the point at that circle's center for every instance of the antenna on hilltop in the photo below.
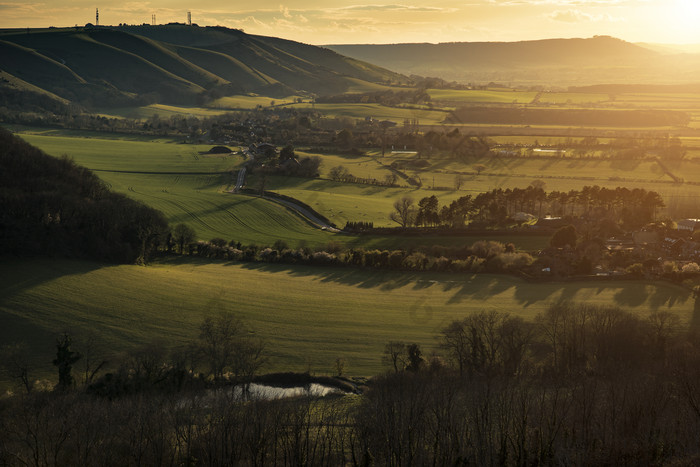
(97, 16)
(189, 18)
(153, 19)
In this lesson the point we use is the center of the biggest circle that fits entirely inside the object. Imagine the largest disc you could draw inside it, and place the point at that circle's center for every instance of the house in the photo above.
(263, 149)
(551, 222)
(646, 238)
(688, 225)
(674, 246)
(523, 217)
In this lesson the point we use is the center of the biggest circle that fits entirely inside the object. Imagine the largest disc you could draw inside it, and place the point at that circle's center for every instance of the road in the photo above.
(311, 217)
(305, 213)
(239, 181)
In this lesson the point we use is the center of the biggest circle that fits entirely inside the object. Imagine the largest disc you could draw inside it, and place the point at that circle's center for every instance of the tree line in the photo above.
(632, 207)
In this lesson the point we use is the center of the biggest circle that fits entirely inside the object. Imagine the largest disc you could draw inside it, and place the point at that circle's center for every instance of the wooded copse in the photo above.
(632, 208)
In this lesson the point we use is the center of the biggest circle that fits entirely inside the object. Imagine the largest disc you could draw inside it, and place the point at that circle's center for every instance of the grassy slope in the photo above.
(174, 63)
(308, 315)
(137, 156)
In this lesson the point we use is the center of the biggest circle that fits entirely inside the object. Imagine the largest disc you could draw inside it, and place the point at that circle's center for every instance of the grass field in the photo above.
(164, 111)
(250, 102)
(378, 112)
(190, 187)
(188, 184)
(508, 96)
(308, 315)
(98, 153)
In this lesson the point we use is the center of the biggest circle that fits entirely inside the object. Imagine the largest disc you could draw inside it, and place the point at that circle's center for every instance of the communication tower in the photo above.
(153, 20)
(97, 16)
(189, 18)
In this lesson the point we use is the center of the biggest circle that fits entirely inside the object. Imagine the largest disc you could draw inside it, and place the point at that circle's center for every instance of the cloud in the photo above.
(576, 3)
(392, 8)
(571, 16)
(285, 11)
(578, 16)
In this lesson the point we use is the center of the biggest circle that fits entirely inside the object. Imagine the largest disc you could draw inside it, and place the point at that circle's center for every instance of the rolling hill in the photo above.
(176, 64)
(564, 62)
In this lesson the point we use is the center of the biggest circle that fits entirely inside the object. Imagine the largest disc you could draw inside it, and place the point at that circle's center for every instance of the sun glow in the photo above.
(683, 19)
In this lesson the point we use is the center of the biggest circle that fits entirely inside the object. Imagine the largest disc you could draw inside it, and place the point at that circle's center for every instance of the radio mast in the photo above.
(189, 18)
(97, 16)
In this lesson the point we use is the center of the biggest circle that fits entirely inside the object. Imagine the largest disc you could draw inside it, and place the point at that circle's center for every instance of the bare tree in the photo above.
(14, 362)
(404, 212)
(394, 355)
(218, 336)
(227, 346)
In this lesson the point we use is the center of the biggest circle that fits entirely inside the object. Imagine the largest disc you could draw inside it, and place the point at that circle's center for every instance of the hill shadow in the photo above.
(19, 274)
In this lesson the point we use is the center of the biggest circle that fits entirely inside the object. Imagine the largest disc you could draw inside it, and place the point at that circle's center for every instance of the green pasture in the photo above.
(342, 202)
(508, 96)
(659, 100)
(578, 98)
(201, 202)
(308, 315)
(23, 131)
(97, 153)
(250, 102)
(163, 111)
(367, 166)
(378, 112)
(360, 86)
(196, 193)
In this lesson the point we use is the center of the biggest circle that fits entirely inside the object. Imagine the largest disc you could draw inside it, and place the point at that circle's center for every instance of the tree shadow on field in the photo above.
(527, 294)
(481, 290)
(354, 277)
(668, 297)
(631, 297)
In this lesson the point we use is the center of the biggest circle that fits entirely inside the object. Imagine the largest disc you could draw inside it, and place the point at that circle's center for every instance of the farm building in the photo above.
(690, 225)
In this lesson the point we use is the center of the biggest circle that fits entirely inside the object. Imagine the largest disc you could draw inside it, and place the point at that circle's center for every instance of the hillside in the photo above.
(54, 207)
(564, 62)
(174, 64)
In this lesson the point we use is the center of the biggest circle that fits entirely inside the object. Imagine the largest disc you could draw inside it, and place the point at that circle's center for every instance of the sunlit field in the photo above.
(309, 316)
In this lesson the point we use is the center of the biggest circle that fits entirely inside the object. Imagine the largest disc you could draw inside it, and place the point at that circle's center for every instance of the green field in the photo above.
(342, 202)
(191, 187)
(163, 111)
(508, 96)
(250, 102)
(308, 315)
(97, 153)
(377, 112)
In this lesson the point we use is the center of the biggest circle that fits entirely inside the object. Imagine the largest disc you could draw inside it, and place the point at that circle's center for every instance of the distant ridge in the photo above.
(564, 62)
(174, 64)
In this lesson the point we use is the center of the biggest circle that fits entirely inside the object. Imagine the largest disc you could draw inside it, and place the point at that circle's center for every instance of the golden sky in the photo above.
(348, 21)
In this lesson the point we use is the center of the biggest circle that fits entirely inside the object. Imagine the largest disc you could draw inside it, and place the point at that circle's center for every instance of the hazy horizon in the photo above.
(311, 21)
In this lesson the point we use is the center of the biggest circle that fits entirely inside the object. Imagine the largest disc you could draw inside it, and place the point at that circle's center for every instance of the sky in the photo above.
(355, 22)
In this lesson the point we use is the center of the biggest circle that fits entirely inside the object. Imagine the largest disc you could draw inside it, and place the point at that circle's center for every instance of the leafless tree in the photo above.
(395, 355)
(404, 212)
